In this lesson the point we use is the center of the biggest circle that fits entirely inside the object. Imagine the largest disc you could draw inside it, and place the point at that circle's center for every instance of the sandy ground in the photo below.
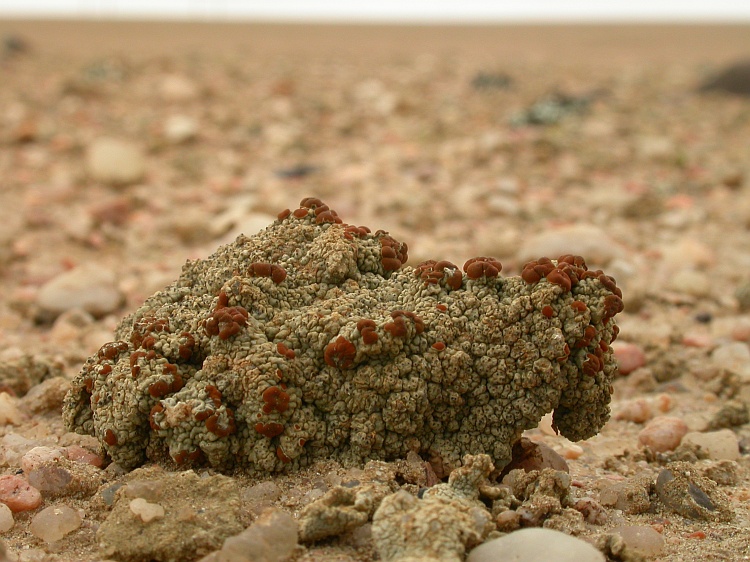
(421, 131)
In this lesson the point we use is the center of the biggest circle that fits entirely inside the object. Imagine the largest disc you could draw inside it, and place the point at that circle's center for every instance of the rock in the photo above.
(6, 518)
(115, 161)
(54, 522)
(272, 538)
(89, 287)
(145, 510)
(629, 496)
(734, 79)
(20, 373)
(718, 445)
(180, 128)
(663, 433)
(9, 412)
(586, 240)
(47, 395)
(629, 356)
(18, 494)
(734, 357)
(733, 413)
(199, 513)
(529, 455)
(642, 539)
(532, 545)
(684, 491)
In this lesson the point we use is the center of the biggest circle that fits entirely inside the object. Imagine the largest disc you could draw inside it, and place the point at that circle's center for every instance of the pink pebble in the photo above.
(629, 356)
(77, 453)
(638, 411)
(663, 433)
(18, 494)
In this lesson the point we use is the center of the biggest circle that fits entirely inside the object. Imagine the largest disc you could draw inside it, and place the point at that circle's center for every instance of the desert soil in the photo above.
(421, 131)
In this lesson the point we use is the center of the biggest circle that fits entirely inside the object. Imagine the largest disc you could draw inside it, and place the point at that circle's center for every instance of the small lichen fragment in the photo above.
(312, 340)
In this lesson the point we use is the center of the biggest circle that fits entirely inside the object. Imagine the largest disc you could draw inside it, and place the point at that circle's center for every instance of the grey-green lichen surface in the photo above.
(310, 340)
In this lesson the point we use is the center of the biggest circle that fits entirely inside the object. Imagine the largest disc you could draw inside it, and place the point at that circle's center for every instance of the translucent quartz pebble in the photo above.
(643, 539)
(145, 510)
(54, 522)
(272, 538)
(534, 544)
(6, 518)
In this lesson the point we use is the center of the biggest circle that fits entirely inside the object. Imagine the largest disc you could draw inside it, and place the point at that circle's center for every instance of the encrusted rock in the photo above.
(198, 514)
(683, 490)
(439, 527)
(310, 340)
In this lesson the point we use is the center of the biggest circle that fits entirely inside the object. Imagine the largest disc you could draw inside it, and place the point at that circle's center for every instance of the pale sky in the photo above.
(390, 10)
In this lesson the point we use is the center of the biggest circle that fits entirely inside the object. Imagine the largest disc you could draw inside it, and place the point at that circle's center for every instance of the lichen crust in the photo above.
(312, 340)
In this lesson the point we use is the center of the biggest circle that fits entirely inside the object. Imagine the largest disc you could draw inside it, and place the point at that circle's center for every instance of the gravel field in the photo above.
(128, 148)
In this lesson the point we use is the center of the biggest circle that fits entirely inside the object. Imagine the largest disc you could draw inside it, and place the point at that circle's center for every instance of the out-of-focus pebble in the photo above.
(734, 357)
(532, 545)
(732, 414)
(718, 445)
(690, 282)
(272, 538)
(642, 539)
(47, 395)
(263, 491)
(9, 412)
(638, 411)
(177, 88)
(89, 287)
(146, 510)
(629, 356)
(115, 161)
(18, 494)
(663, 433)
(54, 522)
(180, 128)
(580, 239)
(38, 456)
(6, 518)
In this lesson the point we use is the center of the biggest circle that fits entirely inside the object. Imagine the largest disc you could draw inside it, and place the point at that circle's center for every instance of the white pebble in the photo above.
(734, 357)
(534, 544)
(174, 87)
(38, 456)
(6, 518)
(89, 287)
(145, 510)
(690, 282)
(180, 128)
(663, 433)
(54, 522)
(115, 161)
(718, 445)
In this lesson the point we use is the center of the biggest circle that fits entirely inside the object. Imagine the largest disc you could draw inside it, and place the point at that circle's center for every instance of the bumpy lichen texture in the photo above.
(311, 340)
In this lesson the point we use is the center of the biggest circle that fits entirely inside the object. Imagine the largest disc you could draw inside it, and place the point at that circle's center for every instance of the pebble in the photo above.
(47, 396)
(718, 445)
(54, 522)
(180, 128)
(629, 356)
(643, 539)
(272, 538)
(38, 456)
(145, 510)
(690, 282)
(50, 479)
(115, 161)
(628, 496)
(580, 239)
(89, 287)
(177, 88)
(637, 411)
(76, 453)
(9, 412)
(6, 518)
(734, 357)
(18, 494)
(532, 545)
(663, 433)
(531, 455)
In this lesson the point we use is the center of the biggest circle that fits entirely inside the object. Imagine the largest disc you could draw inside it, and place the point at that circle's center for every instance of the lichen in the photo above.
(312, 340)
